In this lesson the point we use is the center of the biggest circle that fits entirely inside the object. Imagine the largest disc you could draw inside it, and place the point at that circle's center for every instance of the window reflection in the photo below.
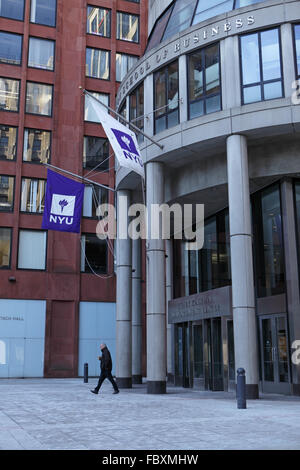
(9, 94)
(5, 247)
(268, 246)
(181, 17)
(36, 146)
(98, 21)
(41, 54)
(166, 97)
(13, 9)
(33, 195)
(207, 9)
(261, 66)
(127, 27)
(10, 48)
(204, 82)
(136, 110)
(7, 184)
(8, 142)
(39, 98)
(97, 63)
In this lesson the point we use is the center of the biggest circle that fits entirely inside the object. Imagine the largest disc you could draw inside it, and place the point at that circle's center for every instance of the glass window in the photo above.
(10, 48)
(124, 62)
(89, 113)
(97, 63)
(93, 254)
(231, 361)
(32, 249)
(43, 12)
(127, 27)
(39, 99)
(98, 21)
(166, 97)
(9, 94)
(7, 184)
(181, 17)
(95, 152)
(5, 247)
(136, 110)
(245, 3)
(36, 146)
(33, 195)
(297, 45)
(268, 242)
(13, 9)
(198, 352)
(41, 54)
(159, 29)
(8, 142)
(212, 8)
(261, 66)
(204, 81)
(94, 196)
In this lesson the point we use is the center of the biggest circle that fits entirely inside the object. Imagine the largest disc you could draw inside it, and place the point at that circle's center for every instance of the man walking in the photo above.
(106, 367)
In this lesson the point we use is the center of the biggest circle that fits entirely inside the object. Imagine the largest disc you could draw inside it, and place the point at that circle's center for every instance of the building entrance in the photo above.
(274, 354)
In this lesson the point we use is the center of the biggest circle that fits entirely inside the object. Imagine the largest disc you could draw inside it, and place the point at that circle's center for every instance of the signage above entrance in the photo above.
(214, 303)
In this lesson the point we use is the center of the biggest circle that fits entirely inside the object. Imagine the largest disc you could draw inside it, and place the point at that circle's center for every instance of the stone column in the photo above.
(291, 274)
(231, 78)
(136, 313)
(288, 58)
(156, 294)
(169, 296)
(243, 297)
(124, 278)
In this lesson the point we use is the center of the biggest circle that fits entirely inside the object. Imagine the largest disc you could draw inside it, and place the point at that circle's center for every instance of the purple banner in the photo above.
(63, 203)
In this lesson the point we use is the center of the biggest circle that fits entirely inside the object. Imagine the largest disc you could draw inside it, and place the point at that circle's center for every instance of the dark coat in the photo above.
(106, 362)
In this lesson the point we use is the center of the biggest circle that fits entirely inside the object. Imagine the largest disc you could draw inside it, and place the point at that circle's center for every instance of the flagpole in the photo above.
(123, 119)
(80, 177)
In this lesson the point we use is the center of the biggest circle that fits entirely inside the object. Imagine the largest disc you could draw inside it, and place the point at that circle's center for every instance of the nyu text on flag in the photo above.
(122, 139)
(63, 204)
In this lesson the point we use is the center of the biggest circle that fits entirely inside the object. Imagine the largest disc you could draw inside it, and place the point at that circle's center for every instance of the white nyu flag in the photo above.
(122, 139)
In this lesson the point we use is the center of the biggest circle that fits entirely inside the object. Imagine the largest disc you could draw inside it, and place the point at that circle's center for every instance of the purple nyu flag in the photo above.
(63, 205)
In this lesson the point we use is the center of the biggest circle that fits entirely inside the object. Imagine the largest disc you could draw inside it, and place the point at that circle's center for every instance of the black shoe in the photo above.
(94, 391)
(115, 392)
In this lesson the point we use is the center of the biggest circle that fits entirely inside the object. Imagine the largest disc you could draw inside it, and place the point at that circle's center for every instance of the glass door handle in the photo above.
(273, 353)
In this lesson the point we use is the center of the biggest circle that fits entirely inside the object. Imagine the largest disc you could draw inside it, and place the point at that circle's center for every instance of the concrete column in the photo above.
(183, 89)
(124, 278)
(291, 273)
(243, 298)
(156, 293)
(136, 312)
(230, 67)
(169, 296)
(288, 58)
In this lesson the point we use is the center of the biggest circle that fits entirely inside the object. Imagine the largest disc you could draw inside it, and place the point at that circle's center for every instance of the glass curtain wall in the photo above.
(136, 110)
(166, 103)
(268, 242)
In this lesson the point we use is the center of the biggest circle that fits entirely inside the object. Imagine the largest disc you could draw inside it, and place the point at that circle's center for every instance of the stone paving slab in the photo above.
(62, 414)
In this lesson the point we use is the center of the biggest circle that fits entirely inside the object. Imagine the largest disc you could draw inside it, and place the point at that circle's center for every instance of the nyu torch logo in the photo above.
(62, 209)
(128, 146)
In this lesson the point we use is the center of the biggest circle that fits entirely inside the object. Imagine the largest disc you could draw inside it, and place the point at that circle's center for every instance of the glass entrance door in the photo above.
(274, 352)
(182, 376)
(214, 356)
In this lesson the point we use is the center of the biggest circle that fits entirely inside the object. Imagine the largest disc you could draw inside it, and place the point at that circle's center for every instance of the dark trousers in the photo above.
(106, 374)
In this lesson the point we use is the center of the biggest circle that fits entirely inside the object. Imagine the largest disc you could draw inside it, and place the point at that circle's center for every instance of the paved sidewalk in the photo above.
(60, 414)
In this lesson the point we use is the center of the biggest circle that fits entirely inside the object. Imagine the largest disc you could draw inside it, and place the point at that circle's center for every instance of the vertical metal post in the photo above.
(86, 373)
(241, 389)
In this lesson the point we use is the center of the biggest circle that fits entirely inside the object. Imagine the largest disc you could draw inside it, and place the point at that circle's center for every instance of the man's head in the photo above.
(102, 346)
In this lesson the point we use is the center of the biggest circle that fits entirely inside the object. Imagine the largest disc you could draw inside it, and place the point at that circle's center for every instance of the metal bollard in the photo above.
(241, 389)
(86, 373)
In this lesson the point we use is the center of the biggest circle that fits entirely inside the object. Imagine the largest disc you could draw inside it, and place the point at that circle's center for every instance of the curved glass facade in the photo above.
(181, 14)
